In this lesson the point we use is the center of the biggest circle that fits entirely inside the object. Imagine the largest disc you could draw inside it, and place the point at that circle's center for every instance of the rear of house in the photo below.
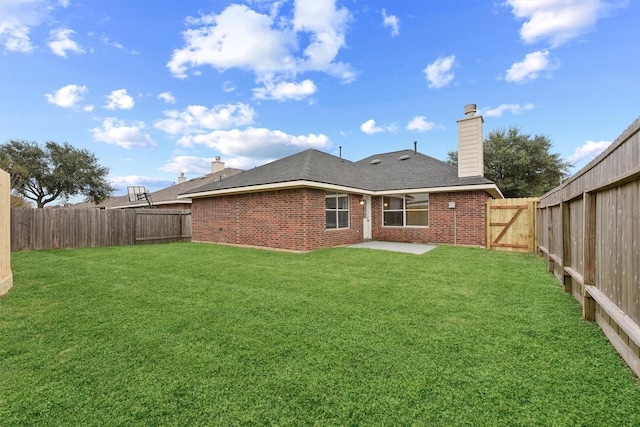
(313, 200)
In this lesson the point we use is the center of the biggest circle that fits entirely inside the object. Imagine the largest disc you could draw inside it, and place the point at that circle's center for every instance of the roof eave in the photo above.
(492, 189)
(275, 186)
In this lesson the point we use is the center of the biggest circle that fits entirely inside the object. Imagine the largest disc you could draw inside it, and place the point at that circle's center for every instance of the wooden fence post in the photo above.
(549, 238)
(566, 246)
(589, 254)
(6, 275)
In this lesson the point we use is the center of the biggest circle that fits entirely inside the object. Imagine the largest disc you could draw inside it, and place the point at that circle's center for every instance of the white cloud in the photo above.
(118, 99)
(228, 86)
(66, 97)
(270, 46)
(558, 21)
(392, 22)
(513, 108)
(119, 133)
(369, 127)
(326, 27)
(439, 72)
(151, 184)
(104, 39)
(285, 90)
(15, 37)
(420, 124)
(188, 164)
(588, 151)
(256, 143)
(60, 42)
(167, 97)
(236, 38)
(200, 119)
(530, 68)
(17, 18)
(246, 163)
(202, 165)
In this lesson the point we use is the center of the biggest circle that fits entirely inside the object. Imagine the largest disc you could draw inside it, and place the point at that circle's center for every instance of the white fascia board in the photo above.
(490, 188)
(276, 186)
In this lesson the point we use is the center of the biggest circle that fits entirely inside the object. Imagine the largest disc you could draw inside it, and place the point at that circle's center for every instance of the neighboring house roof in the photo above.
(168, 195)
(380, 174)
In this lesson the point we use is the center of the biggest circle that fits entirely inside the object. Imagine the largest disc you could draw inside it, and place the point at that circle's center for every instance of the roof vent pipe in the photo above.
(341, 151)
(470, 110)
(415, 146)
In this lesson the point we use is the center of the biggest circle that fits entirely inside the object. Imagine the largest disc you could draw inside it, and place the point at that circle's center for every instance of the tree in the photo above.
(520, 165)
(18, 202)
(43, 174)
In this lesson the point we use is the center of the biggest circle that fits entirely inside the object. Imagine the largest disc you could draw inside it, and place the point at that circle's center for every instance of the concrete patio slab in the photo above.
(411, 248)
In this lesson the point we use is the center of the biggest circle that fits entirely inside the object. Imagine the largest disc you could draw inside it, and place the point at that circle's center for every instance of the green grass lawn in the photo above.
(193, 334)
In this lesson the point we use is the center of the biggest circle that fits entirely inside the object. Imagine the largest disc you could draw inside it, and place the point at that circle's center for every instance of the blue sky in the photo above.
(156, 88)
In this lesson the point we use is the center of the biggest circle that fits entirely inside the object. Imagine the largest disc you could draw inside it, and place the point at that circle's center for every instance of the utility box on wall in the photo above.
(6, 276)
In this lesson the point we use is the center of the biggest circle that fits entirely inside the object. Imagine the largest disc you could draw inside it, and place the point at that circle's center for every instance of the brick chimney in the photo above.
(217, 166)
(182, 178)
(470, 154)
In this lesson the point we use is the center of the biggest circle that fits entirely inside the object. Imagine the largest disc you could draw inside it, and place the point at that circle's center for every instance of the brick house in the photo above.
(312, 200)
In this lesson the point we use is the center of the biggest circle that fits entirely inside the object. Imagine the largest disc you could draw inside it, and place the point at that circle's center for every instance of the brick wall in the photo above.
(284, 219)
(470, 221)
(295, 220)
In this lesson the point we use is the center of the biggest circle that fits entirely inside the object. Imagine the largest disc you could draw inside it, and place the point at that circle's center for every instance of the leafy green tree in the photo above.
(45, 173)
(520, 165)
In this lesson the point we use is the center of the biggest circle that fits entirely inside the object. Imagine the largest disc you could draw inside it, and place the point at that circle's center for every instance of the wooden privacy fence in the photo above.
(589, 231)
(6, 276)
(65, 228)
(511, 224)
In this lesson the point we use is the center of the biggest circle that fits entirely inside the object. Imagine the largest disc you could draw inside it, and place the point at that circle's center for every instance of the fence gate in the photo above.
(511, 224)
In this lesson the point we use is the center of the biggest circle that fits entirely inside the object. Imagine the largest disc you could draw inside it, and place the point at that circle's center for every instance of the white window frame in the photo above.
(404, 210)
(337, 210)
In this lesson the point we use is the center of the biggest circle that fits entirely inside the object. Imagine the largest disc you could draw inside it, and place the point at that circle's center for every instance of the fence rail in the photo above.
(66, 228)
(589, 231)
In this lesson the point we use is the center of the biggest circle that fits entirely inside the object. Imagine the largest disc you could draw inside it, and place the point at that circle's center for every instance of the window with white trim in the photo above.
(407, 210)
(337, 211)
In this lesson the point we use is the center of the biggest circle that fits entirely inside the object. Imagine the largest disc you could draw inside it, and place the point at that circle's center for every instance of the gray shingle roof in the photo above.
(407, 169)
(415, 171)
